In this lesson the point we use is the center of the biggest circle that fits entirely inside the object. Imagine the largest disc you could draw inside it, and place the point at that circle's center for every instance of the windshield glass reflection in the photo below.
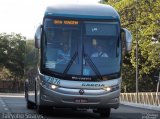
(83, 49)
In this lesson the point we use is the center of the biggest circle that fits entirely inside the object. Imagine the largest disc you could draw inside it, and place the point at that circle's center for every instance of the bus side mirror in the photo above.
(38, 37)
(127, 39)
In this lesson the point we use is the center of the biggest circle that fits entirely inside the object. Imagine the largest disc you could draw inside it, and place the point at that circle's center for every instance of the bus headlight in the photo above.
(53, 87)
(48, 85)
(107, 89)
(111, 88)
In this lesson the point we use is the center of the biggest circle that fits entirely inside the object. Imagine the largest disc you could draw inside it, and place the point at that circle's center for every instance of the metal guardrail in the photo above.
(149, 98)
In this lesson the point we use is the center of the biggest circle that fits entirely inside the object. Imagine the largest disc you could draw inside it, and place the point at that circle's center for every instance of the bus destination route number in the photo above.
(65, 22)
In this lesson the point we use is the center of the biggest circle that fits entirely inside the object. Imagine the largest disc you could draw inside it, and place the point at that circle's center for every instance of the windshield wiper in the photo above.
(92, 65)
(70, 63)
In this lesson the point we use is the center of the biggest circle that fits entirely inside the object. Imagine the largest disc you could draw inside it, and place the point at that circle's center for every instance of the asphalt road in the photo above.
(13, 106)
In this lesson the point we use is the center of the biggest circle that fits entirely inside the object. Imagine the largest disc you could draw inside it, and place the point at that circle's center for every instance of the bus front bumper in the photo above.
(79, 98)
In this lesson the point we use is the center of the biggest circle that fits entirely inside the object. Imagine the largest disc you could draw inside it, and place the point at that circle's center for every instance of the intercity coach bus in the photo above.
(68, 72)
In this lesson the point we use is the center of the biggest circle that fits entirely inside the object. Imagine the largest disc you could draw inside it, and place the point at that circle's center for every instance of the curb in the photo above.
(145, 106)
(12, 95)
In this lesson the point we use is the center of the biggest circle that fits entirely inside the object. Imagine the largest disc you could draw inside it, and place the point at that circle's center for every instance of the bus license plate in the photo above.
(81, 100)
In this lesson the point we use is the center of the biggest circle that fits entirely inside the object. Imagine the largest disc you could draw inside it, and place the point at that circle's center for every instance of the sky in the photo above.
(23, 16)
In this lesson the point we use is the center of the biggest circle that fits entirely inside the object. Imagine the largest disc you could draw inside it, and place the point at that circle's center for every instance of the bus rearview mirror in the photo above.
(38, 36)
(127, 39)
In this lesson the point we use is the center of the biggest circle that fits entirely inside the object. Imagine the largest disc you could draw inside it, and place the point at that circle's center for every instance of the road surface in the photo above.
(13, 106)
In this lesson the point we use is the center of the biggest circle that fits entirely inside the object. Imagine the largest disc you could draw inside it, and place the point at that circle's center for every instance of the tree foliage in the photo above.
(31, 54)
(12, 51)
(142, 18)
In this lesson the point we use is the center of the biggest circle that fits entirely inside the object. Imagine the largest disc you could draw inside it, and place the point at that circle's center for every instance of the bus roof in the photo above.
(97, 11)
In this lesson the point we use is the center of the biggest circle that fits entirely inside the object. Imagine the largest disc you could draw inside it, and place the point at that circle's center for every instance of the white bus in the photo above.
(79, 59)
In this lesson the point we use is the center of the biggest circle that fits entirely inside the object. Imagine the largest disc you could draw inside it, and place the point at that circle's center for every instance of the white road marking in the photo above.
(11, 95)
(6, 109)
(3, 105)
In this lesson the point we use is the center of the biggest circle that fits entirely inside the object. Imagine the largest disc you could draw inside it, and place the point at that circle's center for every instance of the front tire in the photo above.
(44, 109)
(40, 109)
(30, 105)
(104, 112)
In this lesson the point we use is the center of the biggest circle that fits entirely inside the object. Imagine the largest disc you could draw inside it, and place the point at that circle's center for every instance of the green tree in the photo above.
(12, 50)
(141, 17)
(4, 45)
(31, 54)
(4, 73)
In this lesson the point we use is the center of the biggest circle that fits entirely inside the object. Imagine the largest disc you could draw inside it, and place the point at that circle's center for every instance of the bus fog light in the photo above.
(116, 99)
(107, 88)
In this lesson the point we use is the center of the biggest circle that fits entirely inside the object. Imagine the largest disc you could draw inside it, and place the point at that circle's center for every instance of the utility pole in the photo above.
(136, 52)
(157, 96)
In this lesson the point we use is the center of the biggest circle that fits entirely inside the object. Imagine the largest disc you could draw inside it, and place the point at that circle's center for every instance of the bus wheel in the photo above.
(44, 109)
(30, 105)
(104, 112)
(40, 109)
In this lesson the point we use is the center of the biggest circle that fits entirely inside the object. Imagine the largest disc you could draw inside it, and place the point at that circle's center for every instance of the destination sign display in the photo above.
(65, 22)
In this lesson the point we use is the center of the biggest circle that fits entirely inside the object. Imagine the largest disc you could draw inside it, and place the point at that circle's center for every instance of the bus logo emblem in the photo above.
(81, 92)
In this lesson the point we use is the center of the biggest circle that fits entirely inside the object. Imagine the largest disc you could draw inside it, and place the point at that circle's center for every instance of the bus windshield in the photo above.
(81, 48)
